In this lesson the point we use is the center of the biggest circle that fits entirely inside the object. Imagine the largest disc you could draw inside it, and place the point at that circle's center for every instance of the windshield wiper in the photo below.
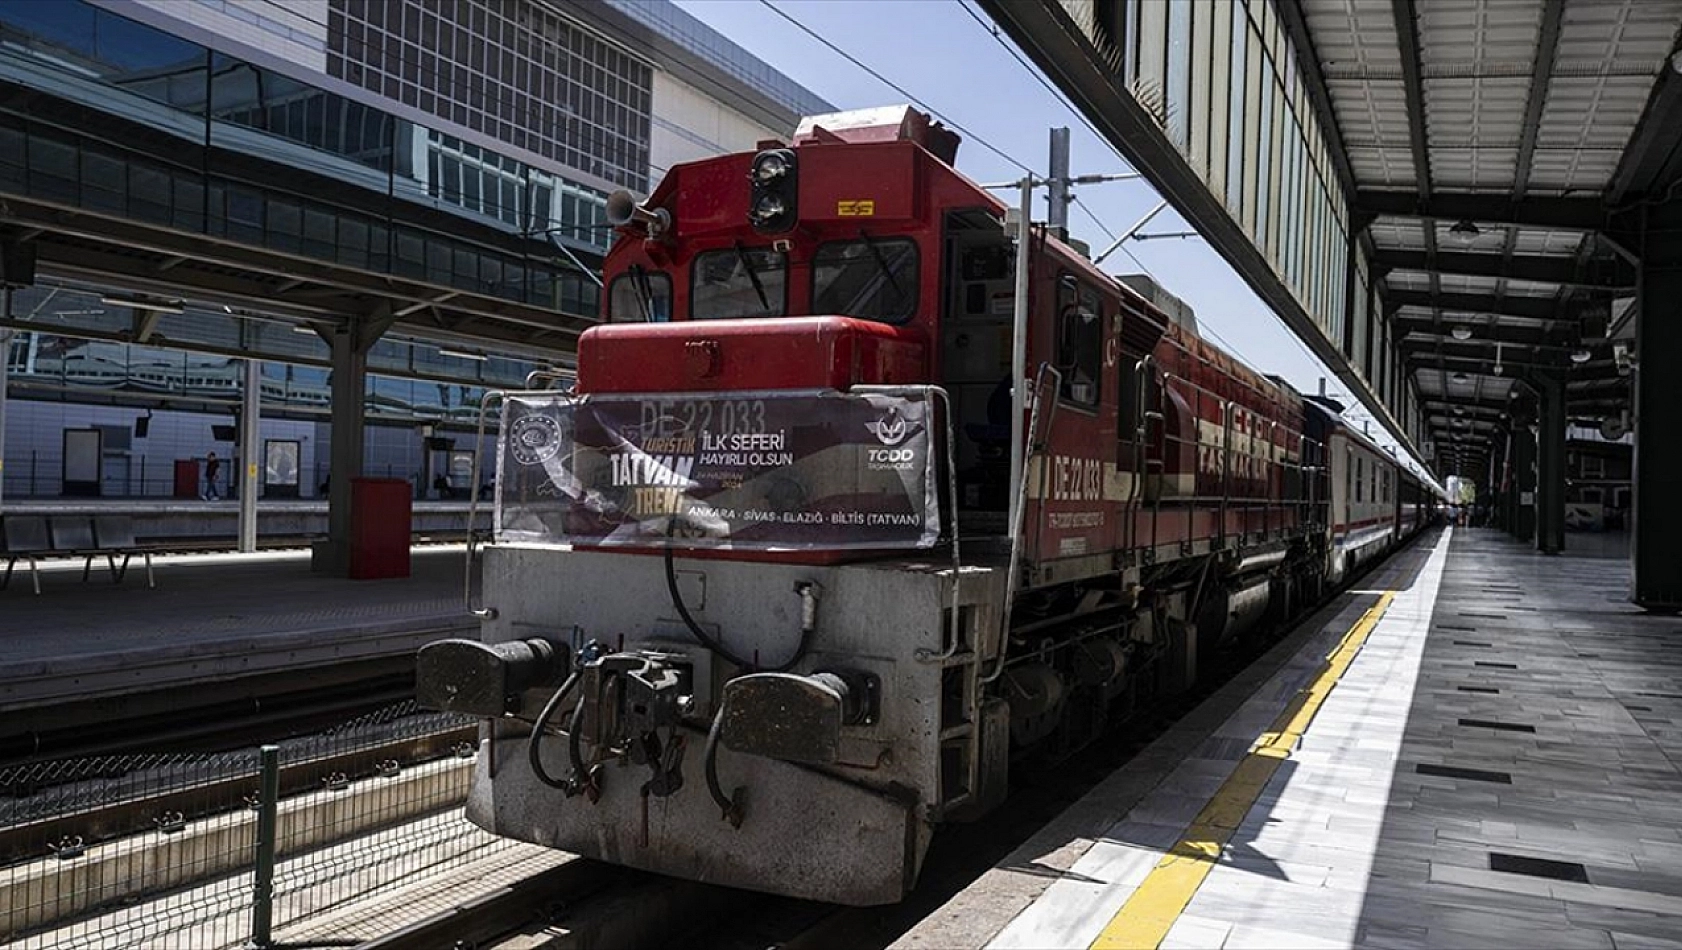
(645, 294)
(881, 260)
(758, 288)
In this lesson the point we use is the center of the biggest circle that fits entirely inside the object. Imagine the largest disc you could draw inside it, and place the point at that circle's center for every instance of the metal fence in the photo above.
(170, 849)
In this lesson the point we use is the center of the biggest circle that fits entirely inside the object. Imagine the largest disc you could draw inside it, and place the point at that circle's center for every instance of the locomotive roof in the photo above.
(1328, 411)
(900, 125)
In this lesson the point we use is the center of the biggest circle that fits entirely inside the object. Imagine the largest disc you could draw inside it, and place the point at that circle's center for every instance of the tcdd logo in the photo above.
(891, 429)
(891, 455)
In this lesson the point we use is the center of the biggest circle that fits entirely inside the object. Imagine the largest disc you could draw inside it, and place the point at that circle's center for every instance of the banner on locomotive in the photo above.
(758, 471)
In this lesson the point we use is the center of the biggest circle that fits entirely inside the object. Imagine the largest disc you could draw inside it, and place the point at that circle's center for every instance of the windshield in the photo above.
(871, 279)
(739, 282)
(640, 296)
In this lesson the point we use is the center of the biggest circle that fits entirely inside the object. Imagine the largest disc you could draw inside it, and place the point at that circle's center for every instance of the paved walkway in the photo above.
(212, 615)
(1493, 761)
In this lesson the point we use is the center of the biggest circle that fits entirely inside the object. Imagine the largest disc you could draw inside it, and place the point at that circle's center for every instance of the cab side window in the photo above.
(1080, 341)
(1127, 413)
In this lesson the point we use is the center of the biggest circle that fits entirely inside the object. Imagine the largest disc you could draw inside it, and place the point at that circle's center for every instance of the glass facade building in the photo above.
(512, 70)
(468, 145)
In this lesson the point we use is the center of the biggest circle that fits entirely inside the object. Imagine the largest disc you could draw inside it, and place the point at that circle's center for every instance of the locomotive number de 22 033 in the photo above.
(674, 418)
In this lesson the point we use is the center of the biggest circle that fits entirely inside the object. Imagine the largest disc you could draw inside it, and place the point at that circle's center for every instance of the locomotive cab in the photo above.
(820, 267)
(858, 257)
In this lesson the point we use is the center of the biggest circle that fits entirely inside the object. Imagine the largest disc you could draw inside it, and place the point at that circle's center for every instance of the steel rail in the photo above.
(97, 824)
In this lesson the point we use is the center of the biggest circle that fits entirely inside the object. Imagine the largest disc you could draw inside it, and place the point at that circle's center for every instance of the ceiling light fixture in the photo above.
(1464, 231)
(1581, 356)
(1459, 377)
(143, 303)
(1461, 333)
(1459, 410)
(463, 355)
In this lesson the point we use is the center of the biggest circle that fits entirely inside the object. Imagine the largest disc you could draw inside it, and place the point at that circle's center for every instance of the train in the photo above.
(857, 503)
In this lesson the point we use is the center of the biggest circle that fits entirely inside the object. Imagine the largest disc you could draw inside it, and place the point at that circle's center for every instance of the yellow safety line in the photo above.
(1145, 919)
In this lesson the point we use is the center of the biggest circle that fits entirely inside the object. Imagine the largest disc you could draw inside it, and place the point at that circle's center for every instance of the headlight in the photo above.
(768, 208)
(770, 166)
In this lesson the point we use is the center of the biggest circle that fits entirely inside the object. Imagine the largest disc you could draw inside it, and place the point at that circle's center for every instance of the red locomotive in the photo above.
(803, 563)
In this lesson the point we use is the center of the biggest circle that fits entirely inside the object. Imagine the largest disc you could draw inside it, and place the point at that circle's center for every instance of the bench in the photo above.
(31, 538)
(114, 535)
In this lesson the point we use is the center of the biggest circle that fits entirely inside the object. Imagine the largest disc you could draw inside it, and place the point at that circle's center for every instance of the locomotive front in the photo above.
(725, 640)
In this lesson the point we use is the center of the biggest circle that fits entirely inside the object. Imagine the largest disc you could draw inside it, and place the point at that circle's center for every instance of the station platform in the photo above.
(1477, 747)
(213, 617)
(195, 520)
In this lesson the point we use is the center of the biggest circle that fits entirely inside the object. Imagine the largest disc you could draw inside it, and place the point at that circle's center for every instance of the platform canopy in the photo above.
(1444, 198)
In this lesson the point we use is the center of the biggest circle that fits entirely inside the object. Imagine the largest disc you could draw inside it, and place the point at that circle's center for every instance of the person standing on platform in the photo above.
(212, 468)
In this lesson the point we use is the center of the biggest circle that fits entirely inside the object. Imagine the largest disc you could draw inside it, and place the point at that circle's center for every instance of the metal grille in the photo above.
(161, 849)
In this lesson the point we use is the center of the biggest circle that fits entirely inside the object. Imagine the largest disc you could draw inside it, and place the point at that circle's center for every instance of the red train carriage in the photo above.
(758, 579)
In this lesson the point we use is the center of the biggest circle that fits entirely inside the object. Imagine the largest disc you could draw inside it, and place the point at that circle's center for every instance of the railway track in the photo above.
(584, 902)
(212, 716)
(28, 824)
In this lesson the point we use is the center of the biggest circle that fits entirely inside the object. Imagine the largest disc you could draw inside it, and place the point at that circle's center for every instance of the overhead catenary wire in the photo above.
(1006, 156)
(955, 125)
(1081, 117)
(993, 31)
(894, 86)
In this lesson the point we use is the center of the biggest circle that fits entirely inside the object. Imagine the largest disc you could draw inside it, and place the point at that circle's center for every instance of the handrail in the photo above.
(555, 374)
(1141, 432)
(1011, 582)
(483, 613)
(1161, 412)
(485, 399)
(1226, 465)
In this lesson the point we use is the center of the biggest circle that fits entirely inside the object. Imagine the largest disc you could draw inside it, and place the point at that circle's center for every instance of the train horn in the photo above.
(623, 209)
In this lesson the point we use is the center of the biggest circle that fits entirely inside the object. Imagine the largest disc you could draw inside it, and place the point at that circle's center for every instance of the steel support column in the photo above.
(350, 344)
(250, 454)
(5, 380)
(1658, 428)
(1523, 524)
(1550, 462)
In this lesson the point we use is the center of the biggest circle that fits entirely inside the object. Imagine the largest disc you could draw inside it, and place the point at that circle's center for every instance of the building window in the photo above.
(477, 63)
(518, 195)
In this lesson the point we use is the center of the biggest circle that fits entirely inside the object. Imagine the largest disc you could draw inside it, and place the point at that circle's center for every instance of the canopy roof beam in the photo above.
(1534, 211)
(1534, 268)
